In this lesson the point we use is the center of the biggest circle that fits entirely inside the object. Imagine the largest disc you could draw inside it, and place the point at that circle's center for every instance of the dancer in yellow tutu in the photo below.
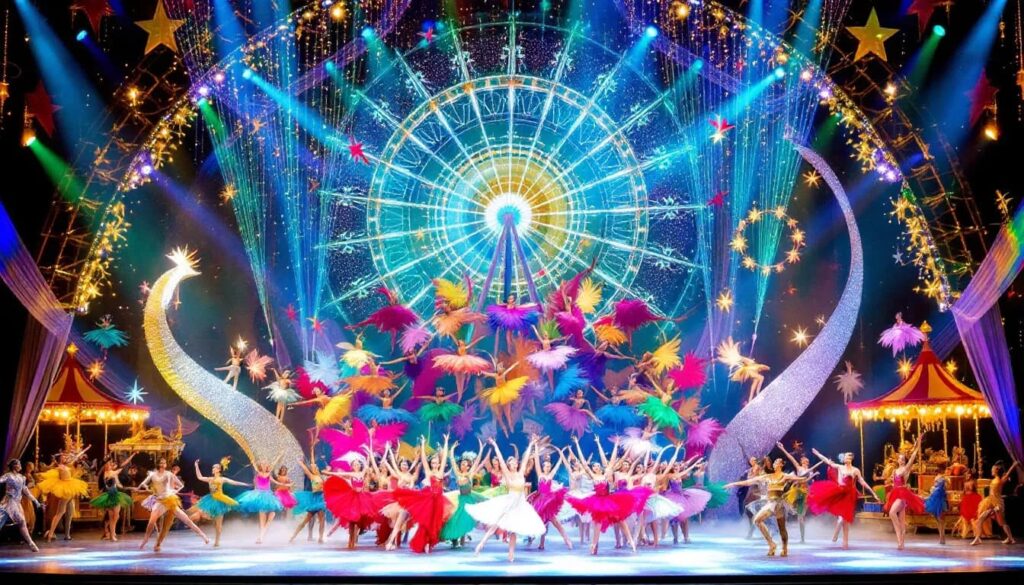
(165, 486)
(331, 409)
(499, 398)
(62, 483)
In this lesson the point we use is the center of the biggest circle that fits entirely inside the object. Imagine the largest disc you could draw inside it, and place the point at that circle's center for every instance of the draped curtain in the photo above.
(45, 336)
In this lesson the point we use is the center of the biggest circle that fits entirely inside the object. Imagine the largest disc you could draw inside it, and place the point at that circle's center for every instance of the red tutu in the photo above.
(913, 503)
(547, 502)
(604, 508)
(838, 499)
(428, 509)
(286, 497)
(969, 506)
(348, 502)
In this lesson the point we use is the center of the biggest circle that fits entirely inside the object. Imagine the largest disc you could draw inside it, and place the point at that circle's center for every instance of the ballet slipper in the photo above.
(785, 551)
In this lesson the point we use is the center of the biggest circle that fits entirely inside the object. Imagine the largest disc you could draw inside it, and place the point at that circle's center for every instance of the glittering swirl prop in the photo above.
(253, 427)
(766, 419)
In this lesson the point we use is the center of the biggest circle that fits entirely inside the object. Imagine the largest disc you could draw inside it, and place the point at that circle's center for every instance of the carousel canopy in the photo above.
(929, 392)
(73, 397)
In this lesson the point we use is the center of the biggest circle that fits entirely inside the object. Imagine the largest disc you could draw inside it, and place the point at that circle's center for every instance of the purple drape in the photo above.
(981, 330)
(45, 336)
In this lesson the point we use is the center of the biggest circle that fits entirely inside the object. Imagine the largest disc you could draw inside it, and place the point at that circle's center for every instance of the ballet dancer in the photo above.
(838, 497)
(604, 507)
(63, 483)
(796, 496)
(994, 505)
(261, 500)
(547, 500)
(214, 505)
(936, 504)
(112, 499)
(311, 503)
(10, 507)
(458, 526)
(775, 503)
(901, 499)
(167, 505)
(233, 367)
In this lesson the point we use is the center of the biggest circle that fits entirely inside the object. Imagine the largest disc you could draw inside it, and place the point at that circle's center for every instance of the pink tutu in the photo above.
(693, 501)
(286, 497)
(551, 359)
(515, 319)
(639, 494)
(547, 502)
(569, 418)
(454, 363)
(605, 508)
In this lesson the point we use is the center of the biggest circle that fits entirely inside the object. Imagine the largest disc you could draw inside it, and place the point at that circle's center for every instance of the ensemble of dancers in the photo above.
(605, 446)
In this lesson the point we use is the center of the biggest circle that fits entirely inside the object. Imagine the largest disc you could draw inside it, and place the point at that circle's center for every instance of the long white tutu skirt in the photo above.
(510, 512)
(658, 507)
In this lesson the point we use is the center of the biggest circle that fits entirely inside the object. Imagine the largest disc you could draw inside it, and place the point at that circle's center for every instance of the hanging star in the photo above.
(135, 393)
(41, 108)
(291, 313)
(800, 337)
(923, 9)
(905, 367)
(898, 257)
(144, 288)
(724, 301)
(160, 29)
(228, 193)
(871, 37)
(1003, 203)
(721, 126)
(94, 11)
(951, 367)
(95, 369)
(982, 95)
(812, 178)
(427, 36)
(355, 151)
(718, 200)
(316, 325)
(820, 320)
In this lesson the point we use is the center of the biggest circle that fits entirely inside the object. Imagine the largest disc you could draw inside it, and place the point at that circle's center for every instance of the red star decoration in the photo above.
(317, 325)
(355, 151)
(291, 313)
(94, 11)
(981, 95)
(428, 36)
(924, 10)
(41, 108)
(718, 200)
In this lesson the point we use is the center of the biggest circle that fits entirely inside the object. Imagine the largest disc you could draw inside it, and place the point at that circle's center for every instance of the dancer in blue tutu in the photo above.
(936, 503)
(261, 499)
(311, 502)
(214, 505)
(386, 413)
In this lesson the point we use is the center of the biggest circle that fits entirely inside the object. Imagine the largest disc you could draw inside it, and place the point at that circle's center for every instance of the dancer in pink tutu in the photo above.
(574, 416)
(549, 358)
(692, 500)
(391, 319)
(284, 488)
(901, 336)
(462, 364)
(604, 507)
(547, 500)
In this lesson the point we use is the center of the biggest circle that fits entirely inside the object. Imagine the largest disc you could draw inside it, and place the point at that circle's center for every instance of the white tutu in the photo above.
(659, 507)
(149, 503)
(510, 512)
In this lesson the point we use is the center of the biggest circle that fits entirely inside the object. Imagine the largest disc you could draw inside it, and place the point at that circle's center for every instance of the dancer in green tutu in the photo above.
(460, 523)
(112, 499)
(441, 410)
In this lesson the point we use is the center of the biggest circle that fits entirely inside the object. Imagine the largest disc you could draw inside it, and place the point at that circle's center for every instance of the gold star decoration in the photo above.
(811, 178)
(951, 367)
(800, 337)
(160, 29)
(905, 367)
(724, 301)
(871, 37)
(228, 193)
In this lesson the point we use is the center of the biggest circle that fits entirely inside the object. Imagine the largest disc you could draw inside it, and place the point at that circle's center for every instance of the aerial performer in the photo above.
(216, 504)
(386, 413)
(15, 489)
(439, 408)
(775, 504)
(838, 497)
(510, 319)
(511, 512)
(796, 496)
(62, 482)
(614, 413)
(575, 416)
(547, 500)
(261, 500)
(901, 336)
(331, 410)
(458, 526)
(452, 305)
(901, 498)
(392, 319)
(282, 391)
(550, 357)
(167, 505)
(233, 367)
(428, 508)
(112, 499)
(502, 394)
(994, 504)
(311, 503)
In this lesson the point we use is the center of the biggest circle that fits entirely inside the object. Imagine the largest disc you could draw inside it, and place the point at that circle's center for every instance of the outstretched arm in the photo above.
(788, 455)
(199, 474)
(825, 460)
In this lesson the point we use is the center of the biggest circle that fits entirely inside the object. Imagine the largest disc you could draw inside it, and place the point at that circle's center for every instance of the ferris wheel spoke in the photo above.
(365, 200)
(397, 234)
(622, 246)
(478, 259)
(420, 178)
(445, 123)
(624, 210)
(510, 70)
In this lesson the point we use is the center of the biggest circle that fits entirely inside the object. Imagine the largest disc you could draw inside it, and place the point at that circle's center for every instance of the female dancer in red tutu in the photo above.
(428, 507)
(401, 475)
(348, 500)
(605, 508)
(548, 501)
(901, 498)
(838, 497)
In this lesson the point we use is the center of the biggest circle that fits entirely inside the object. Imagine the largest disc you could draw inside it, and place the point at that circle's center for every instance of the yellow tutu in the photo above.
(171, 502)
(334, 411)
(223, 498)
(505, 393)
(65, 489)
(370, 384)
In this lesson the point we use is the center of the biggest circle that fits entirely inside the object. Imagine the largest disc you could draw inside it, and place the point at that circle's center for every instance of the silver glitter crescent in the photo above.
(765, 420)
(256, 430)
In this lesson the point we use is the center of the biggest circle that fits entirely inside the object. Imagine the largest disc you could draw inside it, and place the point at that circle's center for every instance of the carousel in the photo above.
(928, 399)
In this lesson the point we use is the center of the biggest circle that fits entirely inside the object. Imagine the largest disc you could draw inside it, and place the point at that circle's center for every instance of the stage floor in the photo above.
(714, 555)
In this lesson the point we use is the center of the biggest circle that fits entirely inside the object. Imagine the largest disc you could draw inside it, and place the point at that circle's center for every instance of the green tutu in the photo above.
(461, 523)
(111, 499)
(659, 413)
(432, 412)
(719, 495)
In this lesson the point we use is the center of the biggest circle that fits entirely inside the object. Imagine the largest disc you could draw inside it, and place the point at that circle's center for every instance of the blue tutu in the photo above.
(256, 501)
(383, 416)
(309, 502)
(213, 508)
(618, 416)
(936, 503)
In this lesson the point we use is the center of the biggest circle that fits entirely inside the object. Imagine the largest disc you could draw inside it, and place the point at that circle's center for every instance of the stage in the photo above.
(714, 555)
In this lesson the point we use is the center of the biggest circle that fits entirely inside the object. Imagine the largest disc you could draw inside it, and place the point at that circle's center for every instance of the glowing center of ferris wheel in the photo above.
(507, 205)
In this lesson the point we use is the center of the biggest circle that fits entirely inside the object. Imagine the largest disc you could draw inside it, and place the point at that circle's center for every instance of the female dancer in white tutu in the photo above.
(510, 512)
(657, 507)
